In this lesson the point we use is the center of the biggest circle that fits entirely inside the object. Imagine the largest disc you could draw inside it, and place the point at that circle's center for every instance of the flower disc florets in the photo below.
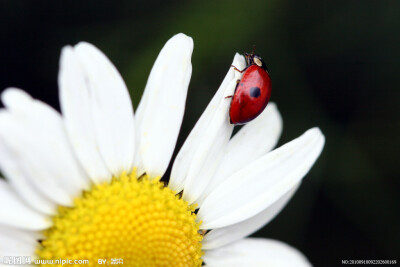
(137, 221)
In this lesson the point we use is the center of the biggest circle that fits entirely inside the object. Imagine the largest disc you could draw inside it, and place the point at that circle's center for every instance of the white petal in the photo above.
(160, 112)
(256, 252)
(14, 213)
(202, 151)
(76, 105)
(109, 105)
(252, 141)
(21, 182)
(112, 109)
(15, 242)
(261, 183)
(225, 235)
(34, 133)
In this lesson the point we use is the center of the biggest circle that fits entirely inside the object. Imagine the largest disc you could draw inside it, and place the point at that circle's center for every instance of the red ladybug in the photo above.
(252, 92)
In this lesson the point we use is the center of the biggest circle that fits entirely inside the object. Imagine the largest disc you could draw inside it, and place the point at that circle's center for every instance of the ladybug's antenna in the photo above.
(254, 50)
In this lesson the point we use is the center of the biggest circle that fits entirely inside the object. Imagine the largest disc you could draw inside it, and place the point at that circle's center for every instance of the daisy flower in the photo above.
(85, 184)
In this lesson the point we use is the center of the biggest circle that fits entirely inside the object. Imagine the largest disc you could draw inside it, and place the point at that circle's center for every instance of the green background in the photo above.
(333, 64)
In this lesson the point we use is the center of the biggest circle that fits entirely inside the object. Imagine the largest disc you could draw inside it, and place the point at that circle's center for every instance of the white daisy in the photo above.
(85, 184)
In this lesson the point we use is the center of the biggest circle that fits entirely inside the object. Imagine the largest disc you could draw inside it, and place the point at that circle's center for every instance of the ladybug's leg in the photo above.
(241, 71)
(230, 96)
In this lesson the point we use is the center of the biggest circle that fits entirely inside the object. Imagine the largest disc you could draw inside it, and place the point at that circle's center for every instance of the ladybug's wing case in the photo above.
(251, 95)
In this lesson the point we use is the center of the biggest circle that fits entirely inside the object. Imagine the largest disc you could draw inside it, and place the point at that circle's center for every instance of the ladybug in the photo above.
(252, 91)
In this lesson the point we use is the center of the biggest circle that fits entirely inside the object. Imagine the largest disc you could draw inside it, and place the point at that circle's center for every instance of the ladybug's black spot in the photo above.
(255, 92)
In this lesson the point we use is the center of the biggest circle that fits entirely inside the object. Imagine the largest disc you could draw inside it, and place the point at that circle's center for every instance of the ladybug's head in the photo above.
(253, 59)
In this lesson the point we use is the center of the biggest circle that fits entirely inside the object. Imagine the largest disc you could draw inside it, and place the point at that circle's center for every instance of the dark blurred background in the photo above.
(334, 64)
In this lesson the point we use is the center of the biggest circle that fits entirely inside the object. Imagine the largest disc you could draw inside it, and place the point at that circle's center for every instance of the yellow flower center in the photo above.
(133, 221)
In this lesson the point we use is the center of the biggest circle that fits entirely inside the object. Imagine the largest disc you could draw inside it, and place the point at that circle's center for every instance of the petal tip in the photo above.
(273, 105)
(238, 57)
(239, 61)
(84, 45)
(65, 51)
(317, 131)
(12, 95)
(182, 41)
(83, 48)
(183, 37)
(65, 57)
